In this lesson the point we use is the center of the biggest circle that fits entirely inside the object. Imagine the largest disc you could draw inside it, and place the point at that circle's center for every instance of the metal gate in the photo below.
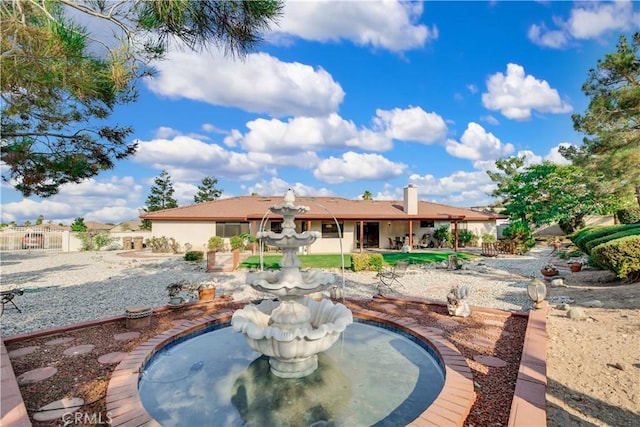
(39, 238)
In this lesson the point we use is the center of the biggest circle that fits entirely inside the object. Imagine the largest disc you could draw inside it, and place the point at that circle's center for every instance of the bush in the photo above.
(237, 242)
(628, 216)
(620, 256)
(366, 261)
(467, 237)
(215, 243)
(103, 239)
(624, 232)
(488, 238)
(194, 256)
(442, 235)
(87, 241)
(583, 237)
(519, 233)
(163, 244)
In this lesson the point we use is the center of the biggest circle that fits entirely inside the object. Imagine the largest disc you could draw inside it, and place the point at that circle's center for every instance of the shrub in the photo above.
(442, 235)
(163, 244)
(194, 256)
(215, 243)
(86, 239)
(583, 237)
(488, 238)
(366, 261)
(467, 237)
(629, 215)
(620, 256)
(519, 233)
(103, 239)
(624, 232)
(237, 242)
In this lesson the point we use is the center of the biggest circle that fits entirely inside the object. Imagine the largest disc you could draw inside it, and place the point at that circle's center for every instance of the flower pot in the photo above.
(175, 300)
(547, 273)
(575, 267)
(206, 294)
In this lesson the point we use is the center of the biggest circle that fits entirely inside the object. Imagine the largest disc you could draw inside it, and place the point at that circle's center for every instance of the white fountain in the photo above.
(295, 328)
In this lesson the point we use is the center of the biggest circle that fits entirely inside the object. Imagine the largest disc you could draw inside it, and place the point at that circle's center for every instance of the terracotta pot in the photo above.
(546, 273)
(576, 267)
(206, 294)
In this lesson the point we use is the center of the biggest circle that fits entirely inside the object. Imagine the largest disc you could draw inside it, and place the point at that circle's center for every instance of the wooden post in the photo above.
(361, 235)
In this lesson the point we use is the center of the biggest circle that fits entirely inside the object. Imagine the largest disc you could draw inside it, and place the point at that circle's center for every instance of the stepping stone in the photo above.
(58, 341)
(408, 319)
(194, 312)
(388, 306)
(452, 323)
(58, 409)
(436, 331)
(482, 342)
(78, 350)
(491, 361)
(493, 323)
(415, 311)
(178, 322)
(126, 336)
(496, 332)
(36, 375)
(109, 358)
(23, 351)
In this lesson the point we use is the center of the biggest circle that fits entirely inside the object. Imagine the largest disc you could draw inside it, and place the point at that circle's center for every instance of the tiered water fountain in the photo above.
(295, 328)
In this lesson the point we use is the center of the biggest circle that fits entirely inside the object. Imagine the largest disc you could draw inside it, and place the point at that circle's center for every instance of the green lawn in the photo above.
(333, 261)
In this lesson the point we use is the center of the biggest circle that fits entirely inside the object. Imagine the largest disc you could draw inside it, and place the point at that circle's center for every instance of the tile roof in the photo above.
(246, 208)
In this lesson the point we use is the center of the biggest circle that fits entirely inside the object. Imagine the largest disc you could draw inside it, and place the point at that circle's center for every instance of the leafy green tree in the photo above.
(40, 220)
(60, 83)
(611, 149)
(546, 193)
(160, 197)
(207, 190)
(367, 195)
(78, 225)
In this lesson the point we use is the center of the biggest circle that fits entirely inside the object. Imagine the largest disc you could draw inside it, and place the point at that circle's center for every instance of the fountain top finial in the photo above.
(289, 197)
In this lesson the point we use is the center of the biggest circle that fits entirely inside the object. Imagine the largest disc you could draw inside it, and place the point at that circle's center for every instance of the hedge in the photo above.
(194, 256)
(584, 236)
(629, 215)
(623, 232)
(621, 256)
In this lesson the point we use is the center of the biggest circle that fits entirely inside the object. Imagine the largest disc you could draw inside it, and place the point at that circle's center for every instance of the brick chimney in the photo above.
(411, 199)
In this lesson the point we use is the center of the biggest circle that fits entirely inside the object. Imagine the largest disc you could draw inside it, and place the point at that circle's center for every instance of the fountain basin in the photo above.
(290, 282)
(292, 332)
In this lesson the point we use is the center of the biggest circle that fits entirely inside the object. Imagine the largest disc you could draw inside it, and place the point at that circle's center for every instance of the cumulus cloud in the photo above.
(309, 133)
(260, 83)
(587, 20)
(190, 159)
(411, 124)
(515, 95)
(478, 144)
(353, 166)
(277, 186)
(461, 188)
(86, 199)
(555, 156)
(390, 25)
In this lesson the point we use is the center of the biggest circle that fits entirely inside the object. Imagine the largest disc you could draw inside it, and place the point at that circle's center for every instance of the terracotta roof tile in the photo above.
(245, 208)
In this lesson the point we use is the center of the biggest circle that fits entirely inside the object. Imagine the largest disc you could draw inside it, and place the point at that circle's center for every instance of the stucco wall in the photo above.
(197, 233)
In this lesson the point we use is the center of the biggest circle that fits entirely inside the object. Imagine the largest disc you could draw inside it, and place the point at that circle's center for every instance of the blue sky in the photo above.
(349, 96)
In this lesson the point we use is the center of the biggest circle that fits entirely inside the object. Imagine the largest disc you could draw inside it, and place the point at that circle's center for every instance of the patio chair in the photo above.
(390, 277)
(6, 297)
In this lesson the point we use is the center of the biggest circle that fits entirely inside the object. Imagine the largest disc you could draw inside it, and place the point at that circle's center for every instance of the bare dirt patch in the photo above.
(593, 364)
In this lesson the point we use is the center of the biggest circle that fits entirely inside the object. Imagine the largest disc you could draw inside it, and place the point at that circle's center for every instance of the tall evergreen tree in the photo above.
(160, 197)
(367, 195)
(611, 149)
(61, 80)
(207, 190)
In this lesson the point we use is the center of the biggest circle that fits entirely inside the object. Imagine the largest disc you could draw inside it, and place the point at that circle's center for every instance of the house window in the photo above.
(330, 230)
(276, 226)
(427, 224)
(230, 229)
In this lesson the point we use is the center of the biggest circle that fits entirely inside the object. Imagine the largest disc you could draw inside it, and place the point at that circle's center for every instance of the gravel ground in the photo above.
(66, 288)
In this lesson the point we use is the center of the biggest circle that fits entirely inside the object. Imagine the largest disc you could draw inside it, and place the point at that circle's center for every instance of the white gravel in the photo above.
(66, 288)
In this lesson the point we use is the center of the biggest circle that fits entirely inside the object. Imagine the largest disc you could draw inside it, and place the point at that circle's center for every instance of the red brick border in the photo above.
(13, 413)
(451, 407)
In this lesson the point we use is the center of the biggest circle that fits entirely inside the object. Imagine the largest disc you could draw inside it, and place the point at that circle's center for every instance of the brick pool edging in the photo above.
(450, 408)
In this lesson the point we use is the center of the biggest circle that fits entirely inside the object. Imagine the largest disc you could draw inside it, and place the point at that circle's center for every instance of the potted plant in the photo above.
(576, 265)
(173, 291)
(549, 270)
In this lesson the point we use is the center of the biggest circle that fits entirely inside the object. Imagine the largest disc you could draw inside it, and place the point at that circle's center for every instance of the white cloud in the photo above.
(277, 186)
(555, 156)
(353, 166)
(515, 95)
(587, 20)
(478, 144)
(309, 133)
(411, 124)
(86, 199)
(490, 119)
(388, 25)
(260, 83)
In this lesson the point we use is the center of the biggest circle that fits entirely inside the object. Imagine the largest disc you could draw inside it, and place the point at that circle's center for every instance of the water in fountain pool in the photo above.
(371, 376)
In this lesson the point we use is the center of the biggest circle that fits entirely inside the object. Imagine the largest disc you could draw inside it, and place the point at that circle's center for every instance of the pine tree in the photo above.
(160, 197)
(207, 191)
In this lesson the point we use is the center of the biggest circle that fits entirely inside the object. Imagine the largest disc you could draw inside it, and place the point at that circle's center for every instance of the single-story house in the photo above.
(364, 224)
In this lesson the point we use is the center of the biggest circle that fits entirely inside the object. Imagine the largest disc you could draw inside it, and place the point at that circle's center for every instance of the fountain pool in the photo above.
(373, 375)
